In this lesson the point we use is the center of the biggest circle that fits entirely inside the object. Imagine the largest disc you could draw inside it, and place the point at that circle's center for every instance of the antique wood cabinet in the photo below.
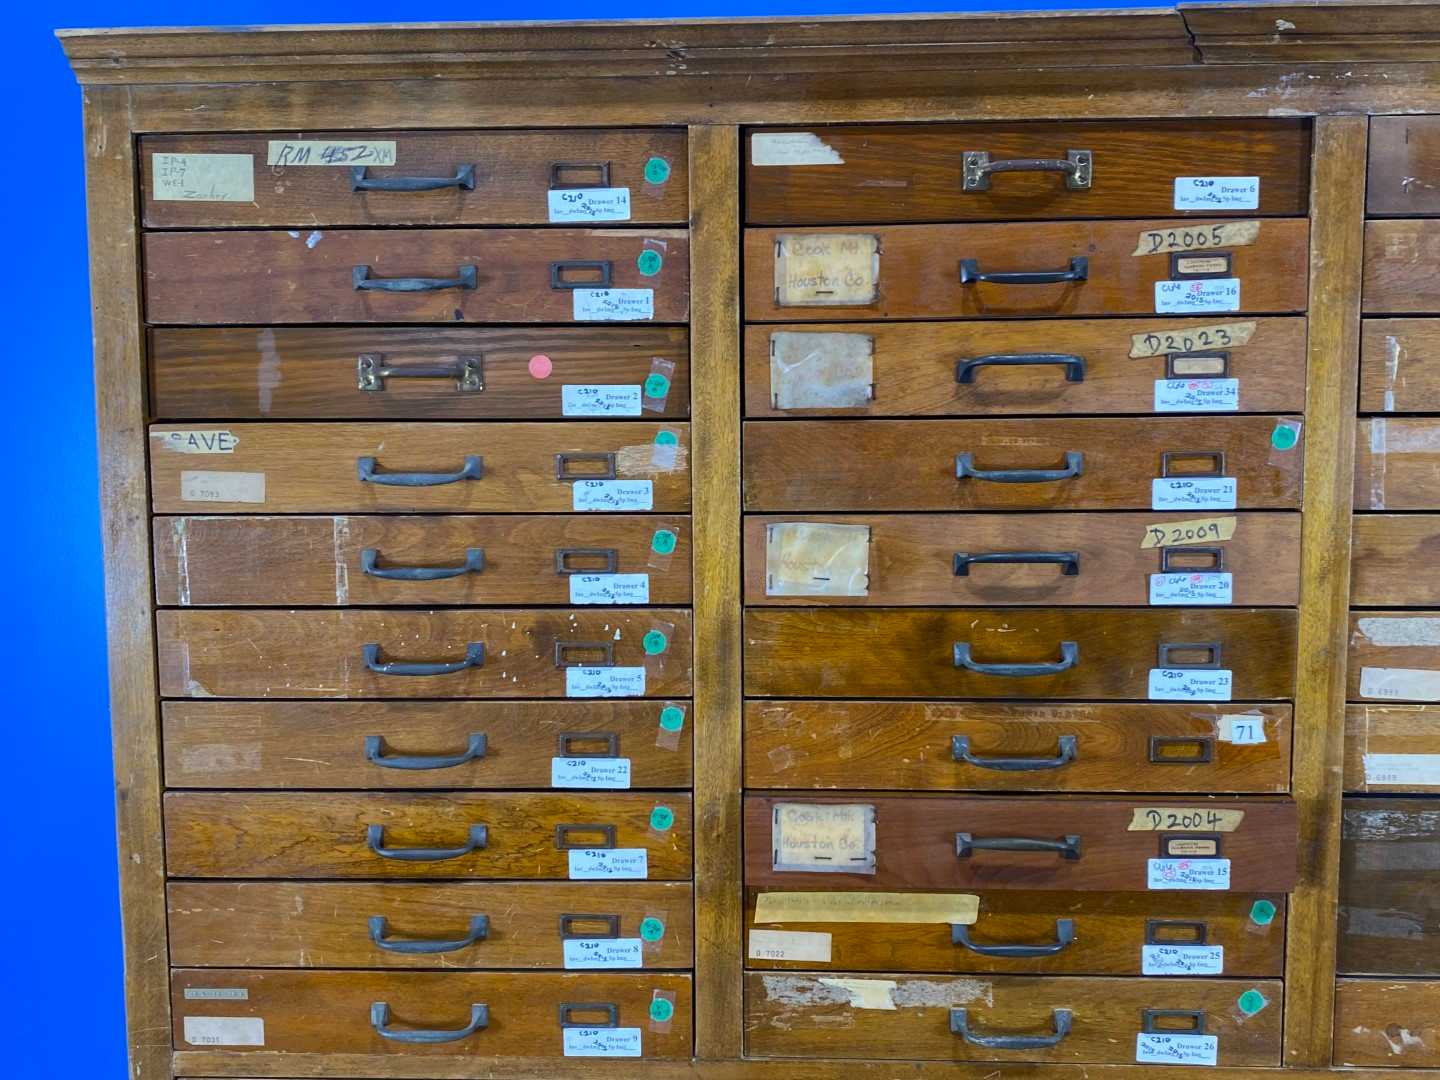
(780, 549)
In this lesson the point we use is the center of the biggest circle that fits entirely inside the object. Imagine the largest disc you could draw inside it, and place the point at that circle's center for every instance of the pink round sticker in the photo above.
(540, 366)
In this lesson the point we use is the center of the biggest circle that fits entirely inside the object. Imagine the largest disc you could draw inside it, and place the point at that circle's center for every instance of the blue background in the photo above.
(61, 918)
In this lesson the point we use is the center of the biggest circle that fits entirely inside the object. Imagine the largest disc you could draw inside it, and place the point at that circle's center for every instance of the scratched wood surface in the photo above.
(1400, 257)
(1404, 176)
(1387, 893)
(1393, 655)
(1390, 729)
(1387, 1022)
(1399, 365)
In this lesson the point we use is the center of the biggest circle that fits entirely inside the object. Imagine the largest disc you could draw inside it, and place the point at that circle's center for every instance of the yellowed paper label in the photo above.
(1185, 819)
(789, 945)
(827, 268)
(202, 177)
(824, 837)
(1183, 339)
(817, 559)
(237, 487)
(821, 370)
(866, 907)
(1198, 847)
(198, 441)
(865, 993)
(1211, 530)
(329, 152)
(1201, 264)
(1197, 237)
(792, 148)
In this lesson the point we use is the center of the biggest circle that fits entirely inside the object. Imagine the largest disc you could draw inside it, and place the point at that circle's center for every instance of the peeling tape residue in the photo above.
(1400, 631)
(181, 532)
(1377, 463)
(341, 533)
(1393, 354)
(268, 374)
(865, 993)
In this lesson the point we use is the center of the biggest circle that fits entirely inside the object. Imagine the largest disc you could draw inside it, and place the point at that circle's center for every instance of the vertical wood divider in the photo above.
(1337, 224)
(715, 438)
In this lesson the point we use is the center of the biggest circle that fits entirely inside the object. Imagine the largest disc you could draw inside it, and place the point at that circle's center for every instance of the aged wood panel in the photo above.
(1397, 463)
(293, 744)
(829, 465)
(1374, 732)
(916, 366)
(312, 372)
(322, 654)
(309, 468)
(511, 175)
(256, 834)
(1390, 556)
(876, 745)
(1399, 365)
(1404, 165)
(1400, 258)
(855, 652)
(915, 558)
(1394, 656)
(326, 925)
(323, 561)
(211, 277)
(1387, 1022)
(1390, 850)
(919, 270)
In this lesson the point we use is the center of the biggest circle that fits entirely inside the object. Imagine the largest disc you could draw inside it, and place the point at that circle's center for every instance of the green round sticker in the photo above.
(663, 543)
(671, 718)
(652, 929)
(661, 1010)
(1261, 912)
(657, 170)
(649, 262)
(656, 385)
(666, 438)
(655, 642)
(661, 818)
(1284, 437)
(1251, 1002)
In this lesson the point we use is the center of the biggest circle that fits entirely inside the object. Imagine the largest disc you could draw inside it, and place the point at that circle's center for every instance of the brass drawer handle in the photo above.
(475, 840)
(361, 280)
(568, 1009)
(561, 271)
(375, 754)
(368, 470)
(464, 178)
(977, 168)
(564, 648)
(1064, 935)
(966, 844)
(1074, 365)
(960, 751)
(970, 273)
(609, 556)
(1074, 466)
(479, 931)
(1194, 1021)
(611, 924)
(1069, 657)
(380, 1021)
(565, 466)
(564, 837)
(1068, 561)
(600, 179)
(370, 563)
(371, 371)
(474, 658)
(960, 1025)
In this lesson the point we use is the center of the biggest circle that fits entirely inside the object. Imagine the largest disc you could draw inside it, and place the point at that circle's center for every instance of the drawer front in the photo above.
(829, 465)
(495, 177)
(1066, 933)
(1399, 365)
(963, 652)
(1404, 166)
(879, 745)
(920, 843)
(810, 1016)
(917, 269)
(422, 744)
(498, 275)
(1392, 748)
(1387, 1022)
(525, 836)
(981, 559)
(364, 653)
(916, 172)
(373, 560)
(320, 925)
(1400, 260)
(398, 373)
(1396, 462)
(333, 1012)
(1394, 656)
(1389, 853)
(1390, 557)
(480, 468)
(1060, 367)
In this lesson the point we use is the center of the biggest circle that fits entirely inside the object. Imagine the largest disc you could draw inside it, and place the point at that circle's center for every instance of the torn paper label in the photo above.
(791, 148)
(866, 907)
(1421, 770)
(1242, 729)
(1210, 530)
(821, 370)
(224, 1031)
(236, 487)
(827, 268)
(1184, 819)
(823, 837)
(1188, 237)
(1400, 631)
(817, 559)
(283, 152)
(200, 441)
(1400, 684)
(865, 993)
(789, 945)
(1189, 339)
(202, 177)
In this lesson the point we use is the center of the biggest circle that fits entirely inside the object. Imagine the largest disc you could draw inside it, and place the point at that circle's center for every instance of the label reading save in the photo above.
(1193, 588)
(1181, 960)
(604, 682)
(1197, 395)
(1195, 874)
(600, 400)
(1194, 297)
(591, 954)
(1217, 193)
(609, 588)
(1193, 493)
(1177, 1048)
(602, 1042)
(590, 204)
(612, 495)
(609, 864)
(613, 305)
(592, 772)
(1189, 684)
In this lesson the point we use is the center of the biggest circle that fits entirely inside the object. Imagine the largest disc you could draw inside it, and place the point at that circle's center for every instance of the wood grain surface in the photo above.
(1401, 651)
(1391, 729)
(1400, 257)
(1399, 365)
(1387, 1022)
(1387, 889)
(1396, 463)
(1387, 554)
(1404, 165)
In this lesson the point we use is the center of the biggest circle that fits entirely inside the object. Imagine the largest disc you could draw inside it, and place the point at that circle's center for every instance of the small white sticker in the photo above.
(594, 954)
(609, 588)
(1217, 193)
(224, 1031)
(202, 177)
(1242, 729)
(1197, 296)
(1189, 684)
(1419, 769)
(1201, 874)
(1182, 959)
(593, 772)
(327, 152)
(601, 864)
(240, 487)
(604, 682)
(602, 1042)
(613, 495)
(812, 948)
(207, 441)
(1197, 395)
(791, 148)
(1176, 1048)
(600, 400)
(590, 204)
(613, 305)
(1400, 684)
(1191, 588)
(1193, 493)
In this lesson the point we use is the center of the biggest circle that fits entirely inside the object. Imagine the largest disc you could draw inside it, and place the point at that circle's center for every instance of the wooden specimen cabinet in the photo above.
(788, 549)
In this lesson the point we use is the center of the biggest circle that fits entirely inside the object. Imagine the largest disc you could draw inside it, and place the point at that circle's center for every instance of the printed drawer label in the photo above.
(609, 588)
(1178, 1048)
(202, 177)
(1398, 683)
(1193, 588)
(589, 204)
(1419, 769)
(1194, 297)
(1193, 493)
(593, 954)
(593, 772)
(612, 495)
(600, 400)
(604, 682)
(1217, 193)
(604, 864)
(1196, 874)
(789, 945)
(1182, 959)
(224, 1031)
(601, 1042)
(201, 486)
(1197, 395)
(612, 305)
(1189, 684)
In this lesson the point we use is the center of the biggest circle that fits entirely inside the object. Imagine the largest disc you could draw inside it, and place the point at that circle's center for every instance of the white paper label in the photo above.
(591, 954)
(240, 487)
(1193, 493)
(609, 588)
(1242, 729)
(613, 305)
(591, 772)
(590, 204)
(197, 441)
(1400, 684)
(601, 864)
(1197, 395)
(604, 682)
(1182, 959)
(1191, 588)
(791, 148)
(202, 177)
(224, 1031)
(328, 152)
(789, 945)
(600, 400)
(1189, 684)
(1195, 296)
(613, 495)
(602, 1042)
(1217, 193)
(1176, 1048)
(1203, 874)
(1421, 769)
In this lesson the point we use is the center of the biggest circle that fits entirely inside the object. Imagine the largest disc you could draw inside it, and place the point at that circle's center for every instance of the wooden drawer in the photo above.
(354, 560)
(320, 925)
(480, 468)
(333, 1012)
(1105, 935)
(918, 841)
(1389, 859)
(497, 275)
(1394, 656)
(1090, 653)
(1392, 748)
(1404, 173)
(925, 559)
(1400, 365)
(524, 836)
(354, 744)
(898, 1017)
(915, 369)
(1108, 464)
(1388, 556)
(917, 271)
(1397, 462)
(503, 177)
(485, 373)
(1387, 1022)
(878, 745)
(510, 653)
(1400, 260)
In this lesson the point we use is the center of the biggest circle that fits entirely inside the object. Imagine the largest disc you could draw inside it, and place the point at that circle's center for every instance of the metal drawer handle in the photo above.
(375, 754)
(561, 270)
(474, 658)
(1176, 931)
(566, 740)
(479, 931)
(371, 371)
(977, 168)
(564, 648)
(464, 178)
(565, 462)
(370, 557)
(1074, 365)
(965, 469)
(1068, 561)
(568, 1009)
(966, 844)
(1069, 657)
(476, 839)
(1194, 1021)
(600, 179)
(563, 556)
(360, 279)
(568, 922)
(564, 837)
(1064, 935)
(366, 467)
(380, 1021)
(960, 751)
(960, 1025)
(1079, 270)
